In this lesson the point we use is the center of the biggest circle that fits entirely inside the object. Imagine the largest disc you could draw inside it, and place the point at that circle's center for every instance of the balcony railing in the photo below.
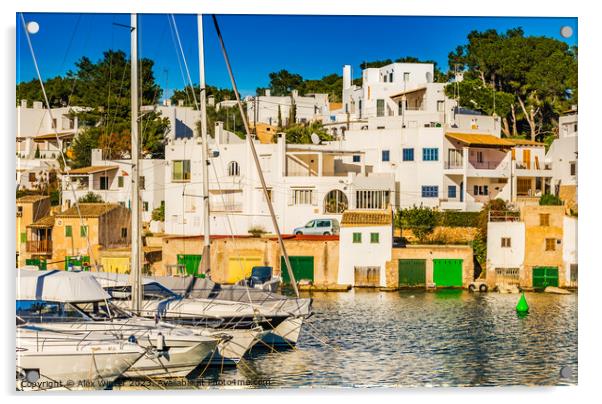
(450, 165)
(485, 165)
(39, 246)
(521, 165)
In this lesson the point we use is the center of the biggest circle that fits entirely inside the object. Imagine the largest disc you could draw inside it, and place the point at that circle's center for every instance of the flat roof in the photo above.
(479, 139)
(91, 169)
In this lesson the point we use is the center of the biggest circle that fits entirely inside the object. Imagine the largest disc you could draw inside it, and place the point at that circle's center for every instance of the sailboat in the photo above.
(61, 301)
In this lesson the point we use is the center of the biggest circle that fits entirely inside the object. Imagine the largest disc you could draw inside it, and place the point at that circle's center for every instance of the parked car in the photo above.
(319, 226)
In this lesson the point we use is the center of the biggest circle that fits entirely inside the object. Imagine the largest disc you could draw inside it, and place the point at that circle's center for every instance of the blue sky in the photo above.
(312, 46)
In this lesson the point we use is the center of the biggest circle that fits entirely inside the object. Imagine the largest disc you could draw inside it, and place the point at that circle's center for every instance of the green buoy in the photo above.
(522, 307)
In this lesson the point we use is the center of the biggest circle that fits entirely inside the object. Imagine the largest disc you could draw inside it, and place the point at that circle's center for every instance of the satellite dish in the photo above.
(33, 27)
(315, 139)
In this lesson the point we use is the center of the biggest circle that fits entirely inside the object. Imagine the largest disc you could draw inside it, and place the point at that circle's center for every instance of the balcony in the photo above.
(39, 246)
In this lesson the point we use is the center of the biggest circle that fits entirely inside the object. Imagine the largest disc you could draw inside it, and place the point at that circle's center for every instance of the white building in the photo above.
(304, 181)
(506, 250)
(365, 243)
(266, 108)
(562, 157)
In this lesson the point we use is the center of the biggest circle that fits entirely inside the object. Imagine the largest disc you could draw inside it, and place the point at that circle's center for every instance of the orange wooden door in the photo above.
(527, 158)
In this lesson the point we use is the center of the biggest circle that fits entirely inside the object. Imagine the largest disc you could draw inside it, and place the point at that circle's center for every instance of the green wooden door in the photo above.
(447, 272)
(303, 268)
(412, 273)
(545, 276)
(191, 263)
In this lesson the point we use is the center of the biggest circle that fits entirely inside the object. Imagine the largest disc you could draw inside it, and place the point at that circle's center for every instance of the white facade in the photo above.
(505, 245)
(364, 253)
(307, 108)
(305, 182)
(112, 180)
(569, 248)
(562, 154)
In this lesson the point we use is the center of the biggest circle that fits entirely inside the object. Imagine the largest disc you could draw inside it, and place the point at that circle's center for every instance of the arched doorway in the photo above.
(335, 201)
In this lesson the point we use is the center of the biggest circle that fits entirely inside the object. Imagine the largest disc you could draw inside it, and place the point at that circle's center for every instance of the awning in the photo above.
(91, 170)
(414, 90)
(480, 140)
(526, 142)
(52, 136)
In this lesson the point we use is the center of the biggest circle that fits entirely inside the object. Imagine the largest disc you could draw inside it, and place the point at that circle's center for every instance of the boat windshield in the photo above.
(152, 291)
(101, 310)
(41, 311)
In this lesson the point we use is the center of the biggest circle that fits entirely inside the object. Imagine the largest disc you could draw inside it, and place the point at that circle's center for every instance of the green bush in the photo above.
(91, 197)
(459, 219)
(421, 220)
(159, 213)
(549, 200)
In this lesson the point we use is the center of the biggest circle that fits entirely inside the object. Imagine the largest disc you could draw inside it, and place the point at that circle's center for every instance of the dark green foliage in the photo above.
(90, 197)
(301, 133)
(158, 214)
(55, 197)
(37, 153)
(540, 72)
(550, 200)
(185, 94)
(421, 220)
(458, 219)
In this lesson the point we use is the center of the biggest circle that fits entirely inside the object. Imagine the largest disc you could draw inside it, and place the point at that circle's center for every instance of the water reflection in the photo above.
(409, 338)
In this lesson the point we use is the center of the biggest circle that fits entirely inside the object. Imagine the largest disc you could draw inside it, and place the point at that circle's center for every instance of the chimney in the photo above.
(267, 92)
(346, 76)
(23, 103)
(295, 93)
(211, 101)
(37, 105)
(219, 129)
(180, 103)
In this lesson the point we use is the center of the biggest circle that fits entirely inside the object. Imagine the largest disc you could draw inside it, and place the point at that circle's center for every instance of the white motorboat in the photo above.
(75, 302)
(49, 360)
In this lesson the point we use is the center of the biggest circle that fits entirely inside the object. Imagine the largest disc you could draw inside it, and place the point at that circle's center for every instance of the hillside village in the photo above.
(397, 142)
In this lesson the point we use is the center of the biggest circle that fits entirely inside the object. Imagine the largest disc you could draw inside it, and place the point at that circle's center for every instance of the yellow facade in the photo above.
(29, 209)
(116, 264)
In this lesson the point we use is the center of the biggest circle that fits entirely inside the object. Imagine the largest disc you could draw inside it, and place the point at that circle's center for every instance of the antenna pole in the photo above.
(206, 257)
(255, 158)
(135, 263)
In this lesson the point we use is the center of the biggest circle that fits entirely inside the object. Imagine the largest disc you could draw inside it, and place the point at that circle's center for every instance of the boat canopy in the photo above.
(58, 286)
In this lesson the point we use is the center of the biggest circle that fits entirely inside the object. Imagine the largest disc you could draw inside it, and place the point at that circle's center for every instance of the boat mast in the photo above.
(135, 261)
(243, 115)
(206, 257)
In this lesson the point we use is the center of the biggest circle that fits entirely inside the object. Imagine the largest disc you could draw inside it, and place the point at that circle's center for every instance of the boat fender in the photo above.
(483, 288)
(160, 342)
(132, 338)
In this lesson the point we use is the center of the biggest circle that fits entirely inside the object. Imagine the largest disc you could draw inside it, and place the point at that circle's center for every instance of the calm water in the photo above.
(447, 338)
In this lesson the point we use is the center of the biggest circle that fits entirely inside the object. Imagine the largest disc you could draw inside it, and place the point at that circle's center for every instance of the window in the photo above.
(120, 181)
(302, 197)
(430, 154)
(370, 199)
(19, 211)
(406, 76)
(481, 190)
(408, 154)
(24, 237)
(506, 242)
(430, 191)
(544, 219)
(141, 182)
(180, 170)
(550, 244)
(451, 191)
(440, 106)
(83, 231)
(68, 231)
(391, 77)
(480, 157)
(386, 155)
(104, 182)
(573, 167)
(32, 177)
(380, 107)
(145, 206)
(233, 169)
(374, 238)
(124, 232)
(323, 223)
(53, 123)
(357, 238)
(335, 201)
(356, 158)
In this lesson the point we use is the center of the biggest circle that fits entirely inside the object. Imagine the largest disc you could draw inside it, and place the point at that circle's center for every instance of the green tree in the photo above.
(301, 133)
(90, 197)
(540, 72)
(283, 82)
(421, 220)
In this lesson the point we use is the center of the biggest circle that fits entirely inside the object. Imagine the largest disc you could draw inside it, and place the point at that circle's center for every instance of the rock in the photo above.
(558, 291)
